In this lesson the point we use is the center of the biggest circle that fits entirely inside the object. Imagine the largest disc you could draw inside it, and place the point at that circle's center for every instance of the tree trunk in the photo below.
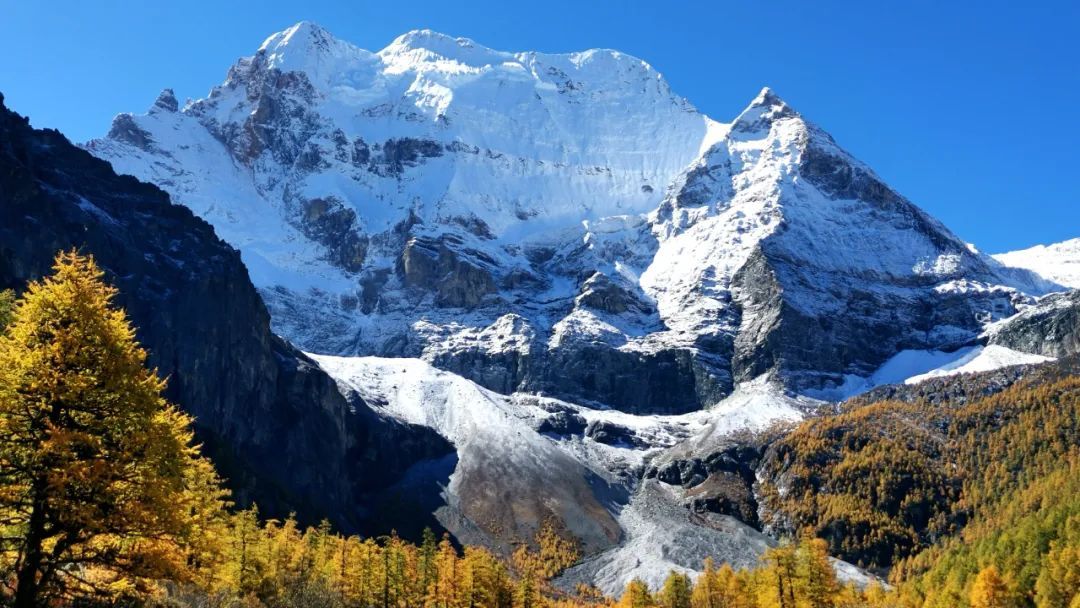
(26, 592)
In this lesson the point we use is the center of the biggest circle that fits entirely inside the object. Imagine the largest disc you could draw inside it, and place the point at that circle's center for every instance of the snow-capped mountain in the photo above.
(595, 292)
(555, 223)
(1057, 262)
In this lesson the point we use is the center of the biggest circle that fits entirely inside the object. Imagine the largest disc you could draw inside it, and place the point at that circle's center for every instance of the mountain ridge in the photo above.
(516, 190)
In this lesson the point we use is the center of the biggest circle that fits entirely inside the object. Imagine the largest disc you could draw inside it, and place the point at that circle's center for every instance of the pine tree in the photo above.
(705, 593)
(636, 595)
(777, 578)
(246, 558)
(527, 567)
(446, 561)
(429, 548)
(990, 590)
(94, 463)
(816, 577)
(675, 592)
(732, 590)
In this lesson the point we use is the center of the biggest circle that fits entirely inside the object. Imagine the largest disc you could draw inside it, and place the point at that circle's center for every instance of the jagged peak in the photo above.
(765, 109)
(165, 102)
(768, 98)
(301, 33)
(310, 48)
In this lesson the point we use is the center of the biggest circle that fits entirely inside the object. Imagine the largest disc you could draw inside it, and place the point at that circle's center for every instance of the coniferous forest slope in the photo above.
(932, 491)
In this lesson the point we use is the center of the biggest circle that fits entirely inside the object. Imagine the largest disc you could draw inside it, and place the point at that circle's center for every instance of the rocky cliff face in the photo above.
(275, 422)
(816, 268)
(556, 223)
(1051, 328)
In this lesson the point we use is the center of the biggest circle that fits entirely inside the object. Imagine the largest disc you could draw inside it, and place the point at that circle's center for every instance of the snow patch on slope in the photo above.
(490, 430)
(981, 359)
(1058, 262)
(914, 366)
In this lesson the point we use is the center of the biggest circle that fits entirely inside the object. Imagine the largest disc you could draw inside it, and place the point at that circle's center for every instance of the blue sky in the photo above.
(970, 109)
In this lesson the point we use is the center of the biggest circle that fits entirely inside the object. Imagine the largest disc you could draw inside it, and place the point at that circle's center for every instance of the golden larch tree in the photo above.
(101, 489)
(675, 592)
(990, 590)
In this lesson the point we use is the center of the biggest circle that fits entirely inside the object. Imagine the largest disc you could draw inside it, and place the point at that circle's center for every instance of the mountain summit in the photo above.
(502, 214)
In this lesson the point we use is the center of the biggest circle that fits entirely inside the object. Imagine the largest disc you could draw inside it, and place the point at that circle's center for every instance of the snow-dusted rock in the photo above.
(1050, 328)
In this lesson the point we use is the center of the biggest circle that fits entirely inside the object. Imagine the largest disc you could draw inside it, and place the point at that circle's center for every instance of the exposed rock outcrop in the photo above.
(1050, 328)
(276, 425)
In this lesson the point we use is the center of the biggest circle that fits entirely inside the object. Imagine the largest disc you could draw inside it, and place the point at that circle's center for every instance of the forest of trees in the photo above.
(944, 497)
(106, 500)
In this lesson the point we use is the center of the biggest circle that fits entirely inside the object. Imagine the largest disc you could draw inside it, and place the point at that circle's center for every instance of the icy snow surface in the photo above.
(1059, 262)
(914, 366)
(489, 429)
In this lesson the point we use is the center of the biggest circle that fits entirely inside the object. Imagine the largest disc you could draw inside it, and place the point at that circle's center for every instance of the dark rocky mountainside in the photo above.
(274, 422)
(1051, 328)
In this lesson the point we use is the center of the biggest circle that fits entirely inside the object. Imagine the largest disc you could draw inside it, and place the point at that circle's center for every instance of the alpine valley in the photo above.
(443, 285)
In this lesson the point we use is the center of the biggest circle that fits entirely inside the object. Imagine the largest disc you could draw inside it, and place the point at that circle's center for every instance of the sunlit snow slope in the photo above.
(556, 223)
(1058, 262)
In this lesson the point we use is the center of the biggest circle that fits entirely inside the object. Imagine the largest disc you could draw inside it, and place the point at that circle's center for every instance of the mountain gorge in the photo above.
(529, 287)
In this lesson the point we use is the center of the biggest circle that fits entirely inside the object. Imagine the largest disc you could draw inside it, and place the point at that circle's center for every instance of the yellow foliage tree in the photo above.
(776, 578)
(636, 595)
(990, 590)
(99, 480)
(816, 579)
(7, 303)
(675, 592)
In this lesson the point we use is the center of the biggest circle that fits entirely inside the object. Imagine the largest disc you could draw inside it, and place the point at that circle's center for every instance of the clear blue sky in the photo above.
(971, 109)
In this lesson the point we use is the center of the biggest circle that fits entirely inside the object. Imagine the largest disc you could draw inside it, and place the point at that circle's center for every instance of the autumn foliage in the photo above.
(101, 489)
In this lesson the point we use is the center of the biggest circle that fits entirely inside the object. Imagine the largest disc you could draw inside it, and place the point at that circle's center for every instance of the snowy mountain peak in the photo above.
(502, 214)
(768, 98)
(309, 48)
(1057, 262)
(298, 37)
(438, 44)
(765, 109)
